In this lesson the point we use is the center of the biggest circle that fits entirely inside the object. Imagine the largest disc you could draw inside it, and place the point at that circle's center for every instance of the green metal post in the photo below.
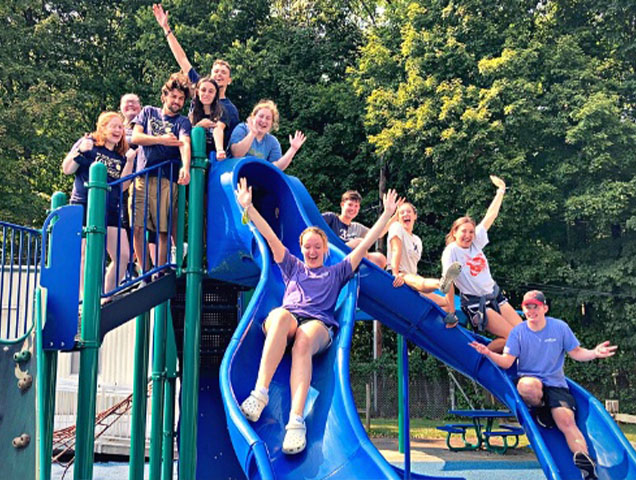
(192, 328)
(158, 384)
(180, 227)
(169, 402)
(140, 398)
(91, 316)
(47, 376)
(400, 347)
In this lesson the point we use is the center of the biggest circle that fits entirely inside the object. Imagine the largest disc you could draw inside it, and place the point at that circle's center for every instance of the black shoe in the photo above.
(451, 319)
(543, 416)
(584, 463)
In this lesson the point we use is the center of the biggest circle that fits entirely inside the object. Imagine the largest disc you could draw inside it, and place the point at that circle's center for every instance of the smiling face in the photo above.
(263, 120)
(206, 93)
(221, 75)
(407, 217)
(129, 106)
(464, 235)
(173, 101)
(113, 131)
(535, 311)
(349, 209)
(313, 247)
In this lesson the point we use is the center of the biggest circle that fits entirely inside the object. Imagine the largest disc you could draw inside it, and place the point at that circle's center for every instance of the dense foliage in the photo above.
(438, 93)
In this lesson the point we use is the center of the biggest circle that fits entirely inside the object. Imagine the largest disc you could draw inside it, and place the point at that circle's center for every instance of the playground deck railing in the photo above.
(20, 249)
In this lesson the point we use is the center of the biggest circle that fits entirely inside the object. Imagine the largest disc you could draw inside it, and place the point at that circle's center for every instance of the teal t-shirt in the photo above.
(267, 149)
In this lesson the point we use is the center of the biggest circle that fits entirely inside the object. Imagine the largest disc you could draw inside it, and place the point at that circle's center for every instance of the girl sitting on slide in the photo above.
(306, 318)
(482, 301)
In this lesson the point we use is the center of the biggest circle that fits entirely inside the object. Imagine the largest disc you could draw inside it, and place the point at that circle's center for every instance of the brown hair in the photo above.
(450, 236)
(220, 61)
(100, 136)
(351, 195)
(177, 81)
(410, 205)
(317, 231)
(272, 107)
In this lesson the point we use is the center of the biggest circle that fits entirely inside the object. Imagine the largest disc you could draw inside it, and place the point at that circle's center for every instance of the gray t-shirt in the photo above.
(474, 278)
(345, 232)
(411, 248)
(313, 292)
(541, 354)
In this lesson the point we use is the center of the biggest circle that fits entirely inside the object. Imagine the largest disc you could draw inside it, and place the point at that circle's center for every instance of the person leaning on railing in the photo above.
(107, 144)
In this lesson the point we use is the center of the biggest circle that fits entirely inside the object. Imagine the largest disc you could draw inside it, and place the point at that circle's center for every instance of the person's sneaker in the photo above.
(451, 320)
(584, 463)
(543, 416)
(451, 273)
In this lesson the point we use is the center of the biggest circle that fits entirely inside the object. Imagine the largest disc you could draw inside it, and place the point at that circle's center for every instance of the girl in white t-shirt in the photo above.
(482, 301)
(405, 251)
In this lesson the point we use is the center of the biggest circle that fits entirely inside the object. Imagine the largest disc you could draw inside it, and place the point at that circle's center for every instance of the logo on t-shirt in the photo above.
(113, 166)
(159, 127)
(477, 264)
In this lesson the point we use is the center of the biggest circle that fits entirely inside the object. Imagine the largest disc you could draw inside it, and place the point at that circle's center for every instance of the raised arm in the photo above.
(602, 350)
(295, 143)
(240, 148)
(244, 198)
(390, 203)
(495, 205)
(177, 51)
(74, 158)
(504, 360)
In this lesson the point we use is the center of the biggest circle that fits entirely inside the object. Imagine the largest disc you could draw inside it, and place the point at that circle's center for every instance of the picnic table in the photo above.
(482, 424)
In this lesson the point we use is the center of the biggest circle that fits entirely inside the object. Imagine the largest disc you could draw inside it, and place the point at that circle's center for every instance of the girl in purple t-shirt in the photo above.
(306, 317)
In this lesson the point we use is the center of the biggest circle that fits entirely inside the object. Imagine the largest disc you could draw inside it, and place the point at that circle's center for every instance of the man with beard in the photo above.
(163, 135)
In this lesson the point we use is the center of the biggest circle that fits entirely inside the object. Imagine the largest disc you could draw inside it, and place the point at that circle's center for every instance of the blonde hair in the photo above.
(220, 61)
(272, 107)
(317, 231)
(100, 135)
(450, 236)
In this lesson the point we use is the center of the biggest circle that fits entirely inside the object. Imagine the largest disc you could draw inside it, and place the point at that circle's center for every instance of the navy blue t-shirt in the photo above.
(154, 122)
(115, 164)
(230, 114)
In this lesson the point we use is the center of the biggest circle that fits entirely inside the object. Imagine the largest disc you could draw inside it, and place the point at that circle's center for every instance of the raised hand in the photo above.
(251, 125)
(161, 16)
(243, 193)
(297, 140)
(499, 183)
(604, 350)
(86, 144)
(390, 201)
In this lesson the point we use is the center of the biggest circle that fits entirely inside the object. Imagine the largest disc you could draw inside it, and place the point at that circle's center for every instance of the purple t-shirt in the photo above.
(313, 292)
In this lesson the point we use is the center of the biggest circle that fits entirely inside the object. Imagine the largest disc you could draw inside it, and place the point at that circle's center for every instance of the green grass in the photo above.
(422, 428)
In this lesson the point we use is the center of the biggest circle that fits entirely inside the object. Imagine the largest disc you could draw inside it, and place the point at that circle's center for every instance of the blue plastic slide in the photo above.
(337, 446)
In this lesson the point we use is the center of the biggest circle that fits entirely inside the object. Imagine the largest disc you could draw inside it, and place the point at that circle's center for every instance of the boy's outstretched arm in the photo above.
(504, 360)
(390, 204)
(602, 350)
(244, 198)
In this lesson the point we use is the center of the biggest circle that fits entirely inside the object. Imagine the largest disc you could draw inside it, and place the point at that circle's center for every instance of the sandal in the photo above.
(451, 273)
(253, 406)
(295, 439)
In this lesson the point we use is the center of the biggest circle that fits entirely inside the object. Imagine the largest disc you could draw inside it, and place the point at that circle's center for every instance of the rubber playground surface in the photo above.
(429, 457)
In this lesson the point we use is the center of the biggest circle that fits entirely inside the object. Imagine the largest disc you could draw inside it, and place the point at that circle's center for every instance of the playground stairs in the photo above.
(220, 312)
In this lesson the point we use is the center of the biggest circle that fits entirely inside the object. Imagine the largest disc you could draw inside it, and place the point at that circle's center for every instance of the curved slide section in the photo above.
(338, 447)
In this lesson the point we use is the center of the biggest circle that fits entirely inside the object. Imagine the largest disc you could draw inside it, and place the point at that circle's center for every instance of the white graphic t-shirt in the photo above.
(475, 278)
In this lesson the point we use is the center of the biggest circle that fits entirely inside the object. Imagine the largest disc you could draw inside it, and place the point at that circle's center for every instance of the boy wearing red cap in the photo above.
(540, 345)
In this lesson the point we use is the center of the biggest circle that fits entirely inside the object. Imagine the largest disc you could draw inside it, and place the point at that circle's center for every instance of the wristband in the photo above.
(168, 32)
(501, 190)
(245, 219)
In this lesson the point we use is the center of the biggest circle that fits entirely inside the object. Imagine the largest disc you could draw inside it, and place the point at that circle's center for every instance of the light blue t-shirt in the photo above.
(541, 354)
(267, 149)
(313, 292)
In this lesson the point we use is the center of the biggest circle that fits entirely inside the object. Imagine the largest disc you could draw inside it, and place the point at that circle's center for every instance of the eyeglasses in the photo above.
(530, 306)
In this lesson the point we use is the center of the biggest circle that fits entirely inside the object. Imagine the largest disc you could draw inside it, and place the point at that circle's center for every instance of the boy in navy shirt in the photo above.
(540, 344)
(163, 135)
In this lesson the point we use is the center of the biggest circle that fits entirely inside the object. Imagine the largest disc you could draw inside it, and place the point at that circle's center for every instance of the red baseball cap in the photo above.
(534, 296)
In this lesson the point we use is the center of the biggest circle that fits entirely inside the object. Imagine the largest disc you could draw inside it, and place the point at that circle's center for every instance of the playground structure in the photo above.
(215, 440)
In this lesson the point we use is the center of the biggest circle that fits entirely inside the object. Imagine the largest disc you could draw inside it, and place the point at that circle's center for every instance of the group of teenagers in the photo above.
(139, 138)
